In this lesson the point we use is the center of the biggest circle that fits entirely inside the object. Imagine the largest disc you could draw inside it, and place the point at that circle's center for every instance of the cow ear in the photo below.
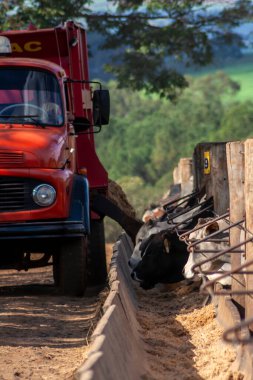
(214, 227)
(166, 244)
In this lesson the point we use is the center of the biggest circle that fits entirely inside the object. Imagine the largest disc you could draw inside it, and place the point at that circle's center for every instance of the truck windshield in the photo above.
(29, 97)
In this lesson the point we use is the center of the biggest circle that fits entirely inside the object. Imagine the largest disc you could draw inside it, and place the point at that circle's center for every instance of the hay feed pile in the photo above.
(183, 339)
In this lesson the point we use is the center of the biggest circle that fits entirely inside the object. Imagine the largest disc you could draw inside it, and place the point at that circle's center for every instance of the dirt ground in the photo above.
(43, 336)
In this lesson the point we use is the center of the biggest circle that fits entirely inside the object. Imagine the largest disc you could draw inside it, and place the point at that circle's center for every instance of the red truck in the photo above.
(52, 183)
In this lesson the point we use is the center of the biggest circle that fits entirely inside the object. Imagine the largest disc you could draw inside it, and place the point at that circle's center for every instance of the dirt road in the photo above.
(42, 335)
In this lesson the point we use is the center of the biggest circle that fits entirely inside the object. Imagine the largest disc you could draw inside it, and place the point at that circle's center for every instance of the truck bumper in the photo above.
(38, 230)
(76, 225)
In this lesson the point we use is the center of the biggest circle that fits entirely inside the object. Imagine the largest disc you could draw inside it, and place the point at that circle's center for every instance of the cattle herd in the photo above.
(182, 240)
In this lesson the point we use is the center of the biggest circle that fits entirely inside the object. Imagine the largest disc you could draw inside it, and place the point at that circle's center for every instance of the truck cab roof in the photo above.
(34, 63)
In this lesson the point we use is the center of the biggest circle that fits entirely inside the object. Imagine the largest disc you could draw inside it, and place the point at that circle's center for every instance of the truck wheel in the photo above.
(56, 269)
(97, 269)
(71, 274)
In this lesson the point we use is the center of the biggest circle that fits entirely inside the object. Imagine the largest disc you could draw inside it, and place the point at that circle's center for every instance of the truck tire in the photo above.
(56, 268)
(97, 269)
(71, 267)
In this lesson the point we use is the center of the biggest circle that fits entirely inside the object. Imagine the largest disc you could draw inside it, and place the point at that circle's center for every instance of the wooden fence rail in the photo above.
(224, 171)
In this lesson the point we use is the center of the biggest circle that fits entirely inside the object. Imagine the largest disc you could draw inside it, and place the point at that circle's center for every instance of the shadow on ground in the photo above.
(32, 313)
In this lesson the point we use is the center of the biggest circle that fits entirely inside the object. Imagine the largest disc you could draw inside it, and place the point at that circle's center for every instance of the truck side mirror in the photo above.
(101, 107)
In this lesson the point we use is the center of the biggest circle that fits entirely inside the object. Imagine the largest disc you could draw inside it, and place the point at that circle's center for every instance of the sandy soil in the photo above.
(183, 340)
(43, 336)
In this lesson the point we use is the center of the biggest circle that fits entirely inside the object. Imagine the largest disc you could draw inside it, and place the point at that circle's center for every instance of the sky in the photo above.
(100, 5)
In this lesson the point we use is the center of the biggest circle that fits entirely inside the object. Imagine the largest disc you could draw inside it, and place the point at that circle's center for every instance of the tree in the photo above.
(147, 136)
(159, 33)
(41, 13)
(237, 121)
(155, 34)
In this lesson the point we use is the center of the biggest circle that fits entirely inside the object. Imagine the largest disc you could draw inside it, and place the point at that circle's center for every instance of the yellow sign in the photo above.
(207, 163)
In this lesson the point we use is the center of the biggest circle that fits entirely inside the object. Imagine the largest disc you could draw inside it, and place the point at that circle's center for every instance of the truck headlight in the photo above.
(44, 195)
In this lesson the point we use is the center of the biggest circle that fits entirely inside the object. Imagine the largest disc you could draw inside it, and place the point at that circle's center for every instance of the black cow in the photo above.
(163, 257)
(159, 256)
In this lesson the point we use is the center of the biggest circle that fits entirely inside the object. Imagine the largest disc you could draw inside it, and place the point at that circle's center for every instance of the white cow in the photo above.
(221, 264)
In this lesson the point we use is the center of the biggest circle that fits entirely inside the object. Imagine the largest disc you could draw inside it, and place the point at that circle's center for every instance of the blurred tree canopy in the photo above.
(155, 34)
(147, 135)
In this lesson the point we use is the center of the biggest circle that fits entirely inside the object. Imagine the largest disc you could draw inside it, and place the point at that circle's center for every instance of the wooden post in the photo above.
(185, 173)
(185, 169)
(176, 176)
(235, 166)
(210, 173)
(201, 179)
(249, 222)
(219, 180)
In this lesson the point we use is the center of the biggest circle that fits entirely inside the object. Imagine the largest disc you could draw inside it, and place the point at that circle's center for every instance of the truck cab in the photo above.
(49, 169)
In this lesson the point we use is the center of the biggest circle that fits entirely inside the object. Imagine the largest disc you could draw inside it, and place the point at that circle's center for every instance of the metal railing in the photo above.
(239, 333)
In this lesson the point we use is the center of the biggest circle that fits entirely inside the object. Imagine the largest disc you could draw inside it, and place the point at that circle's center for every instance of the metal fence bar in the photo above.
(185, 211)
(237, 270)
(228, 272)
(221, 253)
(191, 217)
(215, 234)
(182, 236)
(210, 240)
(236, 332)
(214, 251)
(194, 193)
(171, 209)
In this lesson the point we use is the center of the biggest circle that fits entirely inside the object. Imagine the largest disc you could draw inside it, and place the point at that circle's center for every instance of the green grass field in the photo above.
(241, 72)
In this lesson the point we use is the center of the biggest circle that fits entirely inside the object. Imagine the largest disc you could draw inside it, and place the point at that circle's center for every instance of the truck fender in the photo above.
(80, 203)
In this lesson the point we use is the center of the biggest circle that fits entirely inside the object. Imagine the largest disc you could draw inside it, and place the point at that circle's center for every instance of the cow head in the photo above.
(149, 229)
(162, 260)
(206, 248)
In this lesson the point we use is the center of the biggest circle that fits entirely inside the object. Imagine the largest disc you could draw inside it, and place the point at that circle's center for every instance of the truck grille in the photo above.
(16, 194)
(11, 159)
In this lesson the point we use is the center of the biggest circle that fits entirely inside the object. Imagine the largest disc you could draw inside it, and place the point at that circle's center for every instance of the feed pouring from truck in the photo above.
(49, 168)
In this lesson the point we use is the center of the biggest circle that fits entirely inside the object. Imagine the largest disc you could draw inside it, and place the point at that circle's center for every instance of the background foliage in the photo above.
(149, 40)
(147, 135)
(157, 48)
